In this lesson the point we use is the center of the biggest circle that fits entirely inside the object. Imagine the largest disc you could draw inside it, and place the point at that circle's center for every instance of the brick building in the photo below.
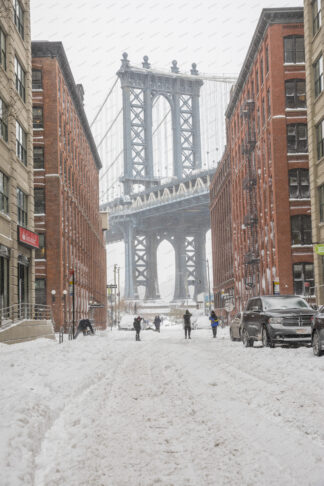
(17, 239)
(66, 192)
(221, 235)
(267, 130)
(314, 45)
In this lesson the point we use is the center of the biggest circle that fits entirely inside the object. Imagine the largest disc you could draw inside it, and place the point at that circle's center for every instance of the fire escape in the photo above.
(251, 257)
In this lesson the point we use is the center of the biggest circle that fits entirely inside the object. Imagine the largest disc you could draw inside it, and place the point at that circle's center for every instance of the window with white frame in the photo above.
(19, 17)
(297, 138)
(3, 120)
(21, 143)
(20, 79)
(4, 193)
(301, 229)
(316, 15)
(320, 139)
(294, 49)
(299, 183)
(3, 49)
(22, 208)
(303, 274)
(318, 76)
(295, 93)
(321, 202)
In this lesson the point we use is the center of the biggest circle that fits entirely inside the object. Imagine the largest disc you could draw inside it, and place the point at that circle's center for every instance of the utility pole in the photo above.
(209, 294)
(115, 294)
(118, 294)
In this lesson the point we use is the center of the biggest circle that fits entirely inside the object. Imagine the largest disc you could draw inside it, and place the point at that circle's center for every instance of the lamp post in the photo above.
(208, 280)
(64, 308)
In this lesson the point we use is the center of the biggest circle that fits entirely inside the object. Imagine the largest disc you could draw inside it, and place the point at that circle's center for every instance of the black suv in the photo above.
(277, 319)
(318, 332)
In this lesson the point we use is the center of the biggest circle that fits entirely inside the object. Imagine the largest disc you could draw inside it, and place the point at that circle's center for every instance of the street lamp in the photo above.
(64, 308)
(53, 293)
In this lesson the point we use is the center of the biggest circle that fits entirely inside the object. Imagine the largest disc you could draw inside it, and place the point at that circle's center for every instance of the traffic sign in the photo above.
(111, 286)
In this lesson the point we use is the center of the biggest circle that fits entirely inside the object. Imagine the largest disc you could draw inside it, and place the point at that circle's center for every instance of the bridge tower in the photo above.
(140, 86)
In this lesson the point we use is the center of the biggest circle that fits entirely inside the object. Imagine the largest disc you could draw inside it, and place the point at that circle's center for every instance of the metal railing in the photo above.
(18, 312)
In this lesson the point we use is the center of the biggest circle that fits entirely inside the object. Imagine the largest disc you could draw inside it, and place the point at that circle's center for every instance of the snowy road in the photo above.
(108, 411)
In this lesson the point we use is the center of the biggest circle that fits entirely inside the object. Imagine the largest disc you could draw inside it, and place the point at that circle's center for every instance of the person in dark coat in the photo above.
(187, 324)
(137, 327)
(84, 324)
(157, 323)
(214, 322)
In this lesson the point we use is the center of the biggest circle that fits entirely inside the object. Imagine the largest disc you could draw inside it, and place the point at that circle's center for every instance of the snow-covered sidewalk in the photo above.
(109, 411)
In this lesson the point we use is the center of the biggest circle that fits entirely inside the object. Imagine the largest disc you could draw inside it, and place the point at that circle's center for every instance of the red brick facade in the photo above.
(66, 187)
(267, 157)
(221, 224)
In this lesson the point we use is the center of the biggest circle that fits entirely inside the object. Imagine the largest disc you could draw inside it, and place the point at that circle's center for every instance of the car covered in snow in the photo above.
(277, 319)
(318, 332)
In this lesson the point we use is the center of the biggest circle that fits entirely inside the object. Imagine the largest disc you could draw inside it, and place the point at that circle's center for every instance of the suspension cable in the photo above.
(110, 166)
(103, 104)
(110, 127)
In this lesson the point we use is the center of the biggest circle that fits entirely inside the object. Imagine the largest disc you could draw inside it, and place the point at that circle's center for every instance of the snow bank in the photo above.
(105, 410)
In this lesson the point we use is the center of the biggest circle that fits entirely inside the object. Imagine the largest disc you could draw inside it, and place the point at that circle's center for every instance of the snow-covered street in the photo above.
(109, 411)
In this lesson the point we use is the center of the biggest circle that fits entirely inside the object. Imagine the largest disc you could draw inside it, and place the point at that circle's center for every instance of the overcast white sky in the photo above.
(213, 33)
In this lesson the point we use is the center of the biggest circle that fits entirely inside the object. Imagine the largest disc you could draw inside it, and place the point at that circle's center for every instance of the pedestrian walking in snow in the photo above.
(157, 323)
(137, 327)
(84, 324)
(187, 324)
(214, 322)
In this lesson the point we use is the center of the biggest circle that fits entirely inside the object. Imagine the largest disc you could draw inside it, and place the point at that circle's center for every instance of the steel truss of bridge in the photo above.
(176, 210)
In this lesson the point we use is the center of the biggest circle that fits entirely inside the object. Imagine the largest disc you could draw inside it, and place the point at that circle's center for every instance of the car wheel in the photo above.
(247, 342)
(316, 344)
(231, 335)
(266, 341)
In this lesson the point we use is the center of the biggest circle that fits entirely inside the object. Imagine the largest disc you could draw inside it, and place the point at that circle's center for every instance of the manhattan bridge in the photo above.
(160, 135)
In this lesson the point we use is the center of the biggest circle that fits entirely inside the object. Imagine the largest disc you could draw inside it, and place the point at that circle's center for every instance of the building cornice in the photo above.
(41, 49)
(269, 16)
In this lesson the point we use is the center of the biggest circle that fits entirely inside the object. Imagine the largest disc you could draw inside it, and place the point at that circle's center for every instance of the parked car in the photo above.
(235, 327)
(276, 319)
(318, 332)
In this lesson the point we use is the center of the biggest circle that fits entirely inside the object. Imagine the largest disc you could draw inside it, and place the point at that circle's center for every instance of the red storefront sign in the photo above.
(28, 238)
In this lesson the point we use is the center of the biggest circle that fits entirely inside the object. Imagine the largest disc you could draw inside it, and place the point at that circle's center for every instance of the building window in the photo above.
(318, 76)
(39, 200)
(22, 208)
(37, 81)
(301, 229)
(21, 143)
(20, 79)
(4, 193)
(3, 121)
(4, 281)
(261, 70)
(321, 202)
(263, 112)
(320, 139)
(316, 13)
(19, 17)
(297, 138)
(294, 49)
(38, 117)
(38, 157)
(257, 80)
(40, 253)
(299, 184)
(40, 291)
(269, 103)
(267, 59)
(295, 93)
(3, 50)
(303, 274)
